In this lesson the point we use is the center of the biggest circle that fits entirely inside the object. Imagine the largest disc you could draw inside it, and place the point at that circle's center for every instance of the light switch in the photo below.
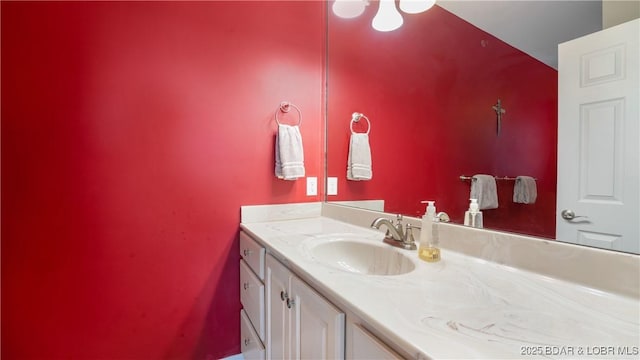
(332, 186)
(312, 186)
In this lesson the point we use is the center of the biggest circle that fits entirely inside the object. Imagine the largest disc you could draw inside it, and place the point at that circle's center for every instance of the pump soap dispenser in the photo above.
(428, 250)
(473, 216)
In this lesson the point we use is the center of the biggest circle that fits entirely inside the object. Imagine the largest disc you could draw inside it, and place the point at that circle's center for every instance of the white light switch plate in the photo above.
(332, 186)
(312, 186)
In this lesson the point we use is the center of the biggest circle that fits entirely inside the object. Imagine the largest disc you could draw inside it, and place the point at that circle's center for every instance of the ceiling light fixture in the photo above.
(388, 18)
(348, 9)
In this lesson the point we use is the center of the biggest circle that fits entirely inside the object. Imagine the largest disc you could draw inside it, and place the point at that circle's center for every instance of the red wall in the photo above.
(428, 89)
(131, 134)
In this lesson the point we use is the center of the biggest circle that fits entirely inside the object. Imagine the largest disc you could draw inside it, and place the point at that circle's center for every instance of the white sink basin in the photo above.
(362, 257)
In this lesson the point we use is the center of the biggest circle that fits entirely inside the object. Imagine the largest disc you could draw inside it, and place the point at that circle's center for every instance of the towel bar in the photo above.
(464, 177)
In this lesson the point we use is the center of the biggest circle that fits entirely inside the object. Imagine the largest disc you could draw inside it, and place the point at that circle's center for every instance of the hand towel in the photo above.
(525, 190)
(289, 153)
(483, 188)
(359, 159)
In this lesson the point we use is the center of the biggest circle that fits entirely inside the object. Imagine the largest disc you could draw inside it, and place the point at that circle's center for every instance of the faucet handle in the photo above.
(411, 227)
(399, 219)
(442, 217)
(409, 234)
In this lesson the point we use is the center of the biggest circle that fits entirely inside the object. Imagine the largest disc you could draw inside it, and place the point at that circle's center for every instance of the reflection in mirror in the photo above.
(436, 92)
(429, 89)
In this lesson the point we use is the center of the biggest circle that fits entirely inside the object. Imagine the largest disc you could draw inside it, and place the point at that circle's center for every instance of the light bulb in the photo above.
(348, 8)
(415, 6)
(388, 18)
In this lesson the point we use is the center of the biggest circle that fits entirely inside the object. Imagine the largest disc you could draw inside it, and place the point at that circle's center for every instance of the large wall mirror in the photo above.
(428, 90)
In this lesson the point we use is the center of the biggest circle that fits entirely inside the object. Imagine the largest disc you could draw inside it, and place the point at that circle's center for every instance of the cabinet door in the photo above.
(278, 321)
(361, 345)
(318, 326)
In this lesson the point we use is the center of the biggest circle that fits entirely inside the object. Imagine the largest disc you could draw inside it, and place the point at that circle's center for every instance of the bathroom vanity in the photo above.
(317, 282)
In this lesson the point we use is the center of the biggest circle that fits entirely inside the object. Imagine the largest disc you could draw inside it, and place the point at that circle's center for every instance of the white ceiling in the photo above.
(536, 27)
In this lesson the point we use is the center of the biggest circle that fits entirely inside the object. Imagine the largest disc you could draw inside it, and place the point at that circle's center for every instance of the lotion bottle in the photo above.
(428, 250)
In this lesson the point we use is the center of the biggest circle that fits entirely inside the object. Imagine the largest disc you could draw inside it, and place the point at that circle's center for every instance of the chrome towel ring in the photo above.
(355, 117)
(285, 107)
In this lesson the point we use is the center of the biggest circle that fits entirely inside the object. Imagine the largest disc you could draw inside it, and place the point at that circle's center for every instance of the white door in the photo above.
(318, 331)
(278, 321)
(598, 196)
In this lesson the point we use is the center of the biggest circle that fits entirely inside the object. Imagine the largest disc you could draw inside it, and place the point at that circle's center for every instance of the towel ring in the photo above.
(285, 107)
(355, 117)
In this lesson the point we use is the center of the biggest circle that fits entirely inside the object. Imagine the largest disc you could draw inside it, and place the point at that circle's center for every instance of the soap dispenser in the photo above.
(428, 250)
(473, 216)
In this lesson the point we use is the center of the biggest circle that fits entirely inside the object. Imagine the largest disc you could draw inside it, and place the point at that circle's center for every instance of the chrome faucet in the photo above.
(396, 235)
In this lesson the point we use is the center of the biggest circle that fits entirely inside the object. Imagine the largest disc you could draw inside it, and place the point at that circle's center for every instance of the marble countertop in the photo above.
(462, 306)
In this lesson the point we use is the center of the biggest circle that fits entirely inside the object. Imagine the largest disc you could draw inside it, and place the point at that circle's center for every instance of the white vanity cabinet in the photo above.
(300, 323)
(252, 316)
(284, 318)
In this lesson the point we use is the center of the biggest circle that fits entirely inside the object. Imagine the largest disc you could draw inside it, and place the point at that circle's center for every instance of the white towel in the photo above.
(483, 188)
(359, 159)
(289, 153)
(525, 190)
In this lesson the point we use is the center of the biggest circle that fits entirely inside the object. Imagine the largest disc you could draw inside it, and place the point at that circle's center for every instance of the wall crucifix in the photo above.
(499, 112)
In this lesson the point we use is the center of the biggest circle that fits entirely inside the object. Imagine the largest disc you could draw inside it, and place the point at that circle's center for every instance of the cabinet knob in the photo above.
(247, 342)
(283, 295)
(245, 285)
(246, 252)
(290, 303)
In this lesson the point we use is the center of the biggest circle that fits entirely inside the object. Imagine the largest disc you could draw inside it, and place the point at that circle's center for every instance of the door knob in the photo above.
(570, 215)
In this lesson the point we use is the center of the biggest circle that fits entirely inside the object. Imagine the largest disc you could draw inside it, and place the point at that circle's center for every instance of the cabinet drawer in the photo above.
(250, 344)
(252, 297)
(253, 254)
